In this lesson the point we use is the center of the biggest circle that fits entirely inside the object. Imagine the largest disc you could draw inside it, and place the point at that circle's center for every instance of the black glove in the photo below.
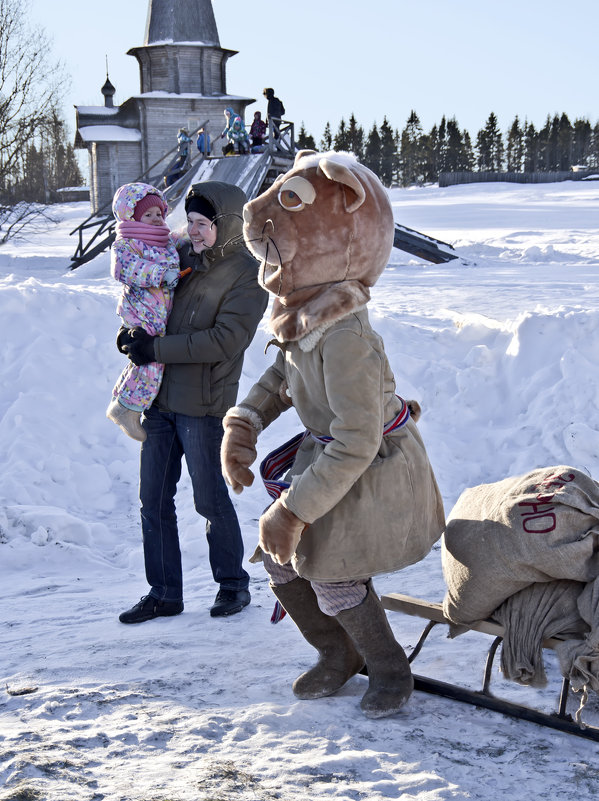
(123, 338)
(139, 347)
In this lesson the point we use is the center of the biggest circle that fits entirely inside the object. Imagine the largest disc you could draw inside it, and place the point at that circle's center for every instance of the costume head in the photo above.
(324, 233)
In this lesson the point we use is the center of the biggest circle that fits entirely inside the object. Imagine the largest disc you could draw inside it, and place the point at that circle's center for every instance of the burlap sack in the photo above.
(502, 537)
(537, 613)
(579, 659)
(566, 610)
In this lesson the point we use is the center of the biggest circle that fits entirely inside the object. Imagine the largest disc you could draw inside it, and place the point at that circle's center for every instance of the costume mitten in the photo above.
(390, 681)
(280, 532)
(238, 452)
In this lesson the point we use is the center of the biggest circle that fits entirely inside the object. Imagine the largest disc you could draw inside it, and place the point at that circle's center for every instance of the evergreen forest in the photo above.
(43, 164)
(413, 156)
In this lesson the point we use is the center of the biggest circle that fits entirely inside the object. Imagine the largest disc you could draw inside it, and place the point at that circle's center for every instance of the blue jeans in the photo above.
(170, 436)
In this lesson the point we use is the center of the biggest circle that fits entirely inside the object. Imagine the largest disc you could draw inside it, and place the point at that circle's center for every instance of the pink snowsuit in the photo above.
(145, 300)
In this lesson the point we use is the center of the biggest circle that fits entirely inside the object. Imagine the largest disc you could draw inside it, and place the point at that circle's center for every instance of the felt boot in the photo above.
(390, 681)
(338, 660)
(127, 419)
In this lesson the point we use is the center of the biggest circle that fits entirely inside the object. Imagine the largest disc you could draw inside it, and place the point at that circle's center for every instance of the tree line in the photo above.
(412, 156)
(45, 163)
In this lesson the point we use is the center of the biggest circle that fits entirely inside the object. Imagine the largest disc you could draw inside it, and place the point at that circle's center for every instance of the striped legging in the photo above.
(332, 598)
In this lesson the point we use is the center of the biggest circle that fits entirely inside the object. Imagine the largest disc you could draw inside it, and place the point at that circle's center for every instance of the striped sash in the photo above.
(278, 462)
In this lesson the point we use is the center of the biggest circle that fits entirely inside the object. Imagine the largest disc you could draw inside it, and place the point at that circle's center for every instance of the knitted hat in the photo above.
(146, 203)
(200, 205)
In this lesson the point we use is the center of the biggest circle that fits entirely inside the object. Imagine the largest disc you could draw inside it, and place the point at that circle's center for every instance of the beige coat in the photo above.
(372, 503)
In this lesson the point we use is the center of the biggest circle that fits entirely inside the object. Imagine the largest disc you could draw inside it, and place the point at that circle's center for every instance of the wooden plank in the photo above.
(396, 602)
(416, 607)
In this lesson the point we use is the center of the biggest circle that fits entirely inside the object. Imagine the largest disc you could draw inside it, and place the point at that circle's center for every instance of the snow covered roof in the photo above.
(100, 110)
(109, 133)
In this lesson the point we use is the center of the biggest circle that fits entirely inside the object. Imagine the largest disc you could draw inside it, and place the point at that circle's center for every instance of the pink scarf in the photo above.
(152, 235)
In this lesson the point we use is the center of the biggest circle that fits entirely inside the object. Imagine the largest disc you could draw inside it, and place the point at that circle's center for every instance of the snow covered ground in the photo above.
(502, 351)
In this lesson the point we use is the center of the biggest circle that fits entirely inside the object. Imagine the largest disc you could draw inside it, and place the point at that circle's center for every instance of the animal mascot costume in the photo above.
(359, 497)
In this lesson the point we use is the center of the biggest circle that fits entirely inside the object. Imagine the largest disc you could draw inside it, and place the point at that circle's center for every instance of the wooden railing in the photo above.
(281, 138)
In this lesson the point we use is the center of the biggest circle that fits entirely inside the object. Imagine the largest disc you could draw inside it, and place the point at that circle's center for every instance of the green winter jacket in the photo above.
(216, 311)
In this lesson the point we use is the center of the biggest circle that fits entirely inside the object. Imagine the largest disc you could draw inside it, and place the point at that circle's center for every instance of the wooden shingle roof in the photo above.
(181, 21)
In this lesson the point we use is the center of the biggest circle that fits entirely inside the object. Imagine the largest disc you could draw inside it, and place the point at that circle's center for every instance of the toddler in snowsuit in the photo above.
(144, 259)
(237, 137)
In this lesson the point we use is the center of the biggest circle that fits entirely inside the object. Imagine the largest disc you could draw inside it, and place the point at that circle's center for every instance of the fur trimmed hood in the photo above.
(227, 200)
(324, 233)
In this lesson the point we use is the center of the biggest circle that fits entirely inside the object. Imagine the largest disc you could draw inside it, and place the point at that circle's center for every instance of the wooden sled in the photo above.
(433, 612)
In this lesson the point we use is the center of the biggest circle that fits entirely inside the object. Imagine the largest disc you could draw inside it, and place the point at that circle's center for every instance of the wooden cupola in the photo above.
(181, 52)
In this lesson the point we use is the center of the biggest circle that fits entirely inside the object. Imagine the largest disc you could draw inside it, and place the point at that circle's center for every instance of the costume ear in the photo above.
(300, 155)
(342, 174)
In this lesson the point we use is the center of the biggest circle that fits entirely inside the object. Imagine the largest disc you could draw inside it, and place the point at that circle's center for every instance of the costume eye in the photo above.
(290, 201)
(295, 193)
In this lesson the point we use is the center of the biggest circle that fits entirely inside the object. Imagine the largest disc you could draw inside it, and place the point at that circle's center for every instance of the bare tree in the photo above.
(35, 217)
(29, 86)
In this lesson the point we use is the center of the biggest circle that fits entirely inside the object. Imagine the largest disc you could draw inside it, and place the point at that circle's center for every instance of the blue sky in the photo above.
(325, 60)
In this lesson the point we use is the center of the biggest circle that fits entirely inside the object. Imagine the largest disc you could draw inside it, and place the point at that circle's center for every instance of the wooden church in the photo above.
(182, 85)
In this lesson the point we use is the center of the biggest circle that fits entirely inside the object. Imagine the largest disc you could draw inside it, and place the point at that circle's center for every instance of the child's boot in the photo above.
(127, 419)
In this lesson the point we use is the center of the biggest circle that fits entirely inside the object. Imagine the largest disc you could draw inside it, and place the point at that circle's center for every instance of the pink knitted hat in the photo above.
(146, 203)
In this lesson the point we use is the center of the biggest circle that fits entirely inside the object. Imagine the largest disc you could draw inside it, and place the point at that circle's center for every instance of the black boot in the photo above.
(338, 660)
(390, 681)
